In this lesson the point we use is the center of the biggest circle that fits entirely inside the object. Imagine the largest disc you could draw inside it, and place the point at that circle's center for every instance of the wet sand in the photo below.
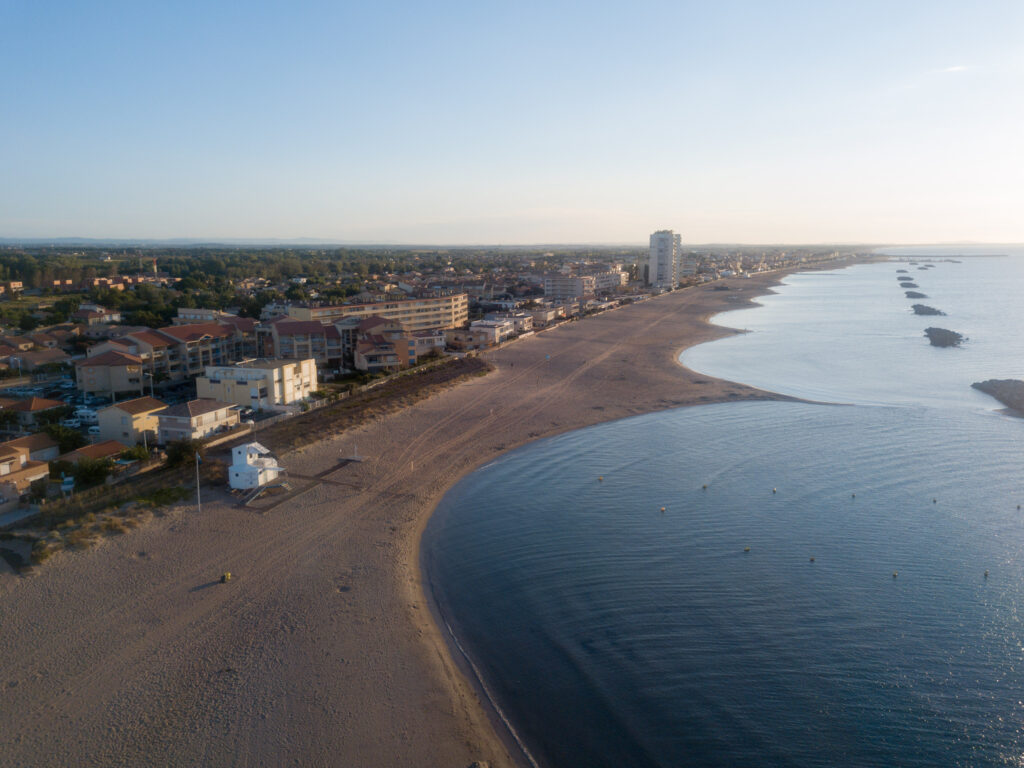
(322, 650)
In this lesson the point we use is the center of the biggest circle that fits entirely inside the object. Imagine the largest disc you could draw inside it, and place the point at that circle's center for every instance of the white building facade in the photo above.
(252, 466)
(663, 262)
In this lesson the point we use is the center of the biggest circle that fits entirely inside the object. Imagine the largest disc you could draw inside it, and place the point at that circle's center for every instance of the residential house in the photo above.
(40, 446)
(195, 420)
(18, 469)
(30, 361)
(131, 421)
(30, 410)
(94, 314)
(108, 449)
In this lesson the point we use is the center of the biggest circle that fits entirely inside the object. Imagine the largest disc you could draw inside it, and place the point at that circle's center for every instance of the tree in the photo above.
(181, 452)
(67, 439)
(89, 472)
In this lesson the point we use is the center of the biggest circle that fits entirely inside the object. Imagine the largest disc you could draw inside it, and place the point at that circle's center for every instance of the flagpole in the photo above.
(199, 501)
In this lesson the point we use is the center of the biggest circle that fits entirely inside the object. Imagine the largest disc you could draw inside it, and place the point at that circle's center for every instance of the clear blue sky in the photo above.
(514, 122)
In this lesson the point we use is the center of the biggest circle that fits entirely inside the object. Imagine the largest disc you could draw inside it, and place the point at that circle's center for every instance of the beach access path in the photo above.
(322, 650)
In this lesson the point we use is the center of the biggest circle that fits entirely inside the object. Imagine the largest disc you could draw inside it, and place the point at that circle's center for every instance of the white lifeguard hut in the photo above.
(252, 467)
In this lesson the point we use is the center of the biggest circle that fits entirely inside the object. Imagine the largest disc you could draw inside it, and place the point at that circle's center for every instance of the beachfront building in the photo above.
(561, 287)
(662, 267)
(545, 316)
(522, 322)
(259, 384)
(415, 314)
(131, 421)
(252, 466)
(195, 420)
(497, 330)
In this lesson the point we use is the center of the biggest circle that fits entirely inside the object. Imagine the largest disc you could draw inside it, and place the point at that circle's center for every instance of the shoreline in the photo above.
(447, 626)
(323, 647)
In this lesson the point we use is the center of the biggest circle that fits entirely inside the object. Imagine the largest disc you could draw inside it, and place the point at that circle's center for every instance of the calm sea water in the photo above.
(613, 633)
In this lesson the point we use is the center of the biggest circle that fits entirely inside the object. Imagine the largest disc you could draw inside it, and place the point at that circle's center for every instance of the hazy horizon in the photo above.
(790, 123)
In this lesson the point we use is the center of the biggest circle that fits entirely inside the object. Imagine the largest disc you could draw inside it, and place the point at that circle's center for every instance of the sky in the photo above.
(514, 122)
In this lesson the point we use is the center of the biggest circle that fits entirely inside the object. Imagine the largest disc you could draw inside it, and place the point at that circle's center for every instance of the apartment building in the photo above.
(259, 384)
(109, 374)
(559, 287)
(416, 314)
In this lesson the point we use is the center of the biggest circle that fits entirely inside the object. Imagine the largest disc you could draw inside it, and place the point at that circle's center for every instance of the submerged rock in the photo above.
(901, 270)
(1009, 392)
(915, 295)
(924, 309)
(941, 337)
(909, 284)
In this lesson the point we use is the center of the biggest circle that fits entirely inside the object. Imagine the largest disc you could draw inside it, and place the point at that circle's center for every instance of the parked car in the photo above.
(71, 423)
(93, 431)
(87, 416)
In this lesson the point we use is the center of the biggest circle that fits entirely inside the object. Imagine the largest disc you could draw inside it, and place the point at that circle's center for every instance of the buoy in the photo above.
(600, 478)
(895, 574)
(662, 509)
(746, 549)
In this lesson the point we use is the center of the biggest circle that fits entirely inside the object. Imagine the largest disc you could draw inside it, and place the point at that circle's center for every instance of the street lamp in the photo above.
(150, 377)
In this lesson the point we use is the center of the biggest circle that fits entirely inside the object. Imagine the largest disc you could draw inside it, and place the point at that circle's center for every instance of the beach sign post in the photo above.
(199, 501)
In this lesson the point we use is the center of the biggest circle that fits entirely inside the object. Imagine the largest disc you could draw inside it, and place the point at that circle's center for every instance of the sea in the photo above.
(828, 582)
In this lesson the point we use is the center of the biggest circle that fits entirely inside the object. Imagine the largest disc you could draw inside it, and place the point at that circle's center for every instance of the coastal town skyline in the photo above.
(798, 123)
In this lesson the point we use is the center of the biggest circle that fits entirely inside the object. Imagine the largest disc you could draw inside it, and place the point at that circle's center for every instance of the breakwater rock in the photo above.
(915, 295)
(924, 309)
(941, 337)
(1009, 392)
(909, 284)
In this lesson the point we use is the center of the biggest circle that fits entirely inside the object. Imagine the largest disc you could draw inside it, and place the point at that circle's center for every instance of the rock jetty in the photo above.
(1009, 392)
(924, 309)
(941, 337)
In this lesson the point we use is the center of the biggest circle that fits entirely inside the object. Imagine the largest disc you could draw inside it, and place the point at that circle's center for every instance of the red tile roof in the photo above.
(105, 450)
(36, 404)
(113, 357)
(197, 331)
(139, 405)
(194, 408)
(153, 338)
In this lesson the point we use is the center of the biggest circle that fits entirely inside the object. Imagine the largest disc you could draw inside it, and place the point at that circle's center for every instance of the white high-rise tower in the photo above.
(663, 262)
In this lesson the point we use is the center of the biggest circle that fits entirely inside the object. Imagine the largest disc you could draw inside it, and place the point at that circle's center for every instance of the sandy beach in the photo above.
(322, 650)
